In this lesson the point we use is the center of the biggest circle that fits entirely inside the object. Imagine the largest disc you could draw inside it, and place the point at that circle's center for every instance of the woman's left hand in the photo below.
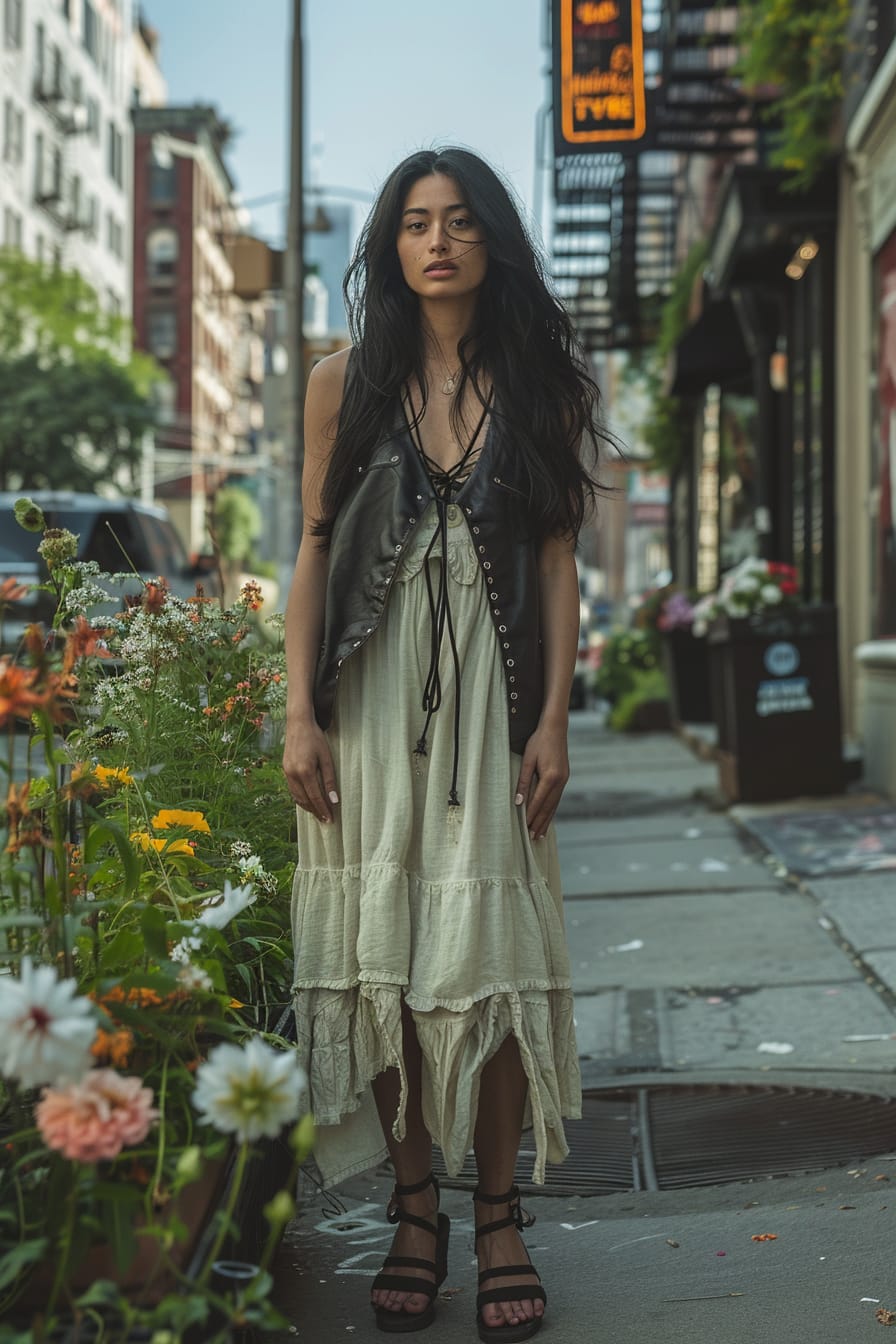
(543, 777)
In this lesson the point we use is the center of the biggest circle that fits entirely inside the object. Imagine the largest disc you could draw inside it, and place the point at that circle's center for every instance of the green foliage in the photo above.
(667, 425)
(624, 654)
(237, 523)
(644, 706)
(74, 398)
(796, 47)
(149, 788)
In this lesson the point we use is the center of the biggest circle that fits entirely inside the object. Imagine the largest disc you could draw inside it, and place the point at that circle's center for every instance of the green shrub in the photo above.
(645, 707)
(622, 656)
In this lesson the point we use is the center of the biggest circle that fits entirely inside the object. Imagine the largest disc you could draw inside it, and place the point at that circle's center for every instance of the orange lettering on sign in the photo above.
(597, 11)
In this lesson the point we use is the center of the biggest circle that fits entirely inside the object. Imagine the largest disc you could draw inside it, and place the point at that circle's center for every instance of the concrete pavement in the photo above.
(695, 958)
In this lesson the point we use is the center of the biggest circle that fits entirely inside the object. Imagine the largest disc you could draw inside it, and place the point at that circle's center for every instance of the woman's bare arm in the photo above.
(545, 767)
(307, 762)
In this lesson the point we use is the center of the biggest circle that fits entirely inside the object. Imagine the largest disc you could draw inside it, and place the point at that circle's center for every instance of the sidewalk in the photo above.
(696, 958)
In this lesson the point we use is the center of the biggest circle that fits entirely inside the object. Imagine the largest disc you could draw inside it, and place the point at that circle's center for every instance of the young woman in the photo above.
(431, 629)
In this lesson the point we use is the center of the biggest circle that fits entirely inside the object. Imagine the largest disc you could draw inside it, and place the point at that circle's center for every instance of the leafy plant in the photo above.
(624, 654)
(144, 935)
(795, 48)
(645, 706)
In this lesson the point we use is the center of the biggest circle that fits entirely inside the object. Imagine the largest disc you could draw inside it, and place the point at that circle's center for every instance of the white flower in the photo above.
(771, 594)
(181, 951)
(749, 583)
(193, 978)
(46, 1028)
(248, 863)
(233, 902)
(250, 1090)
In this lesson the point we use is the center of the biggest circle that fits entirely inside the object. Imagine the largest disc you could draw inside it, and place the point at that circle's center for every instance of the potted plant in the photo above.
(774, 683)
(144, 970)
(686, 660)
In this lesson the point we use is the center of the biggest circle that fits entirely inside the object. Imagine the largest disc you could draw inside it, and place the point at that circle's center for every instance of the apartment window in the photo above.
(12, 23)
(38, 165)
(161, 255)
(40, 54)
(91, 36)
(162, 183)
(13, 132)
(67, 9)
(92, 223)
(12, 229)
(57, 66)
(162, 332)
(75, 188)
(93, 120)
(39, 247)
(56, 174)
(115, 153)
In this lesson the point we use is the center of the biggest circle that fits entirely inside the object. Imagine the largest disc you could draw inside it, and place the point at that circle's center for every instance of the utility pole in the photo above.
(294, 286)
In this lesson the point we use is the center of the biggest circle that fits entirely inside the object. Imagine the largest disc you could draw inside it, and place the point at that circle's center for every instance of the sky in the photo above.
(382, 78)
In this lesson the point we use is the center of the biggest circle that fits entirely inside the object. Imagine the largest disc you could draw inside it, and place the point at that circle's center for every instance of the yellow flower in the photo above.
(161, 845)
(175, 816)
(110, 774)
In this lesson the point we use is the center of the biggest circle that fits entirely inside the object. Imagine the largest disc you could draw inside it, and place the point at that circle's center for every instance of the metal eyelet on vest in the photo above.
(494, 598)
(511, 678)
(394, 459)
(397, 549)
(486, 564)
(507, 646)
(513, 709)
(469, 510)
(482, 550)
(412, 521)
(476, 531)
(510, 662)
(502, 628)
(513, 695)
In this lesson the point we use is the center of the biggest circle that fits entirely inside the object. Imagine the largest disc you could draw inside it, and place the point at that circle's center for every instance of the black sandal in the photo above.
(520, 1292)
(404, 1322)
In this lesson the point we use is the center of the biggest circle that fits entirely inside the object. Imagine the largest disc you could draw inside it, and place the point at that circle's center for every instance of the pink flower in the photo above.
(93, 1120)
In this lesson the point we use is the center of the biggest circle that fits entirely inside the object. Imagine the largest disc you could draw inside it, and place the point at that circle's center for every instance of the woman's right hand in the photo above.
(308, 767)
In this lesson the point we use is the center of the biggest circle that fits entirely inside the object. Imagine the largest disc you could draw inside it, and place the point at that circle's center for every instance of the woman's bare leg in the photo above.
(499, 1126)
(412, 1159)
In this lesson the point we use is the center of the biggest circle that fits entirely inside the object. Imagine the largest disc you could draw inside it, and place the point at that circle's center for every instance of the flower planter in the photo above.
(776, 702)
(687, 671)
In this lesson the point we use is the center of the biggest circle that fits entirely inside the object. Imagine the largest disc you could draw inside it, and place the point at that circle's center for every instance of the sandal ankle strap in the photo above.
(418, 1187)
(518, 1216)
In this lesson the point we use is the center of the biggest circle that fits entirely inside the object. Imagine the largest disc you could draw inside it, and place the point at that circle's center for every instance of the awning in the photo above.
(710, 351)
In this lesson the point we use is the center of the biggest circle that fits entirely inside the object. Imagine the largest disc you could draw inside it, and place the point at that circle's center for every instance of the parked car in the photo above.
(146, 541)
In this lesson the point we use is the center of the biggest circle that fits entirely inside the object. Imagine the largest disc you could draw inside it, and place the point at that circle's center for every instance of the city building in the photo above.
(66, 79)
(865, 337)
(187, 313)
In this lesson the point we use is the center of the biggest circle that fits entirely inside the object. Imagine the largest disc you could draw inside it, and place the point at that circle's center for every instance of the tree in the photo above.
(74, 397)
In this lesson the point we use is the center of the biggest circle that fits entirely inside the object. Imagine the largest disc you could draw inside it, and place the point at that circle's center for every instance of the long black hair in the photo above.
(522, 341)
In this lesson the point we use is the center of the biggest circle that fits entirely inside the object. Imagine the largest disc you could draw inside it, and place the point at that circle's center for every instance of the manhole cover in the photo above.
(665, 1138)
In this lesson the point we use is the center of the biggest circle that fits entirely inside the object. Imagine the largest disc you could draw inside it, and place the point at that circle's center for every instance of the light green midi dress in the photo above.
(456, 909)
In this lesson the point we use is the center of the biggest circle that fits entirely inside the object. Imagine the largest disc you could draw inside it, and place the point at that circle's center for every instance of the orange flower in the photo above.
(136, 995)
(154, 596)
(25, 828)
(61, 690)
(82, 642)
(18, 694)
(12, 591)
(113, 1047)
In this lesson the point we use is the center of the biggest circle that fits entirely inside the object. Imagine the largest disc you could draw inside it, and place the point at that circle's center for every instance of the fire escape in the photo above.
(616, 211)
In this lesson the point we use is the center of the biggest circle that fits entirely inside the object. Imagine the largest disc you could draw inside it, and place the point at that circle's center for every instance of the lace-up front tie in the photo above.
(446, 484)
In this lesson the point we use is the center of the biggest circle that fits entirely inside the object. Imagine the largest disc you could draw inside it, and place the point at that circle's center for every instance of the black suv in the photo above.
(147, 540)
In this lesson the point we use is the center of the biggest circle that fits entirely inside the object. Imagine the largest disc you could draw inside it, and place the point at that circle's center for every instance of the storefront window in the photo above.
(738, 467)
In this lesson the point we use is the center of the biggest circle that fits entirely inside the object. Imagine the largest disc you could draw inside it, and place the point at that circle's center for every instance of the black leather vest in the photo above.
(377, 522)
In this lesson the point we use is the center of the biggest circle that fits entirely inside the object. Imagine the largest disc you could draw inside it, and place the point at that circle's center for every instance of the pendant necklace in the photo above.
(450, 382)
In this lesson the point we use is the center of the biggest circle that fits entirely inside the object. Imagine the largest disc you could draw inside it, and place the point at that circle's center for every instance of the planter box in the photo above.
(687, 671)
(776, 702)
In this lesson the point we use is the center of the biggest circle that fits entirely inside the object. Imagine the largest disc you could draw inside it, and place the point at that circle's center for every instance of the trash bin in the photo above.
(776, 702)
(686, 660)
